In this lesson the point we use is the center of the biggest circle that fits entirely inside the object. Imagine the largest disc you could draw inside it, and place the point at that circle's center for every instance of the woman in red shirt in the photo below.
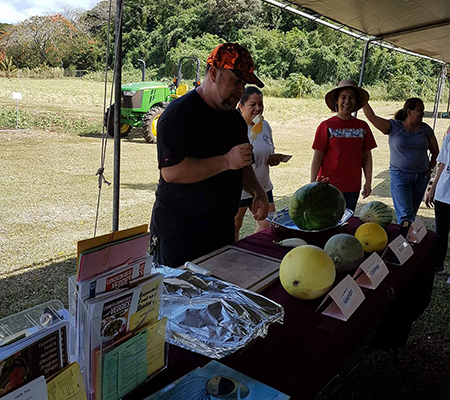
(342, 145)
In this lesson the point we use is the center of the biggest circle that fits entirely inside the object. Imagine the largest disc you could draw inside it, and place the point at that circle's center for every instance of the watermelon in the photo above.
(346, 251)
(316, 206)
(378, 212)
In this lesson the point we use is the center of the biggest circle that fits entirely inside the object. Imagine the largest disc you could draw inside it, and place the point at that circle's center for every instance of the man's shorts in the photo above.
(248, 202)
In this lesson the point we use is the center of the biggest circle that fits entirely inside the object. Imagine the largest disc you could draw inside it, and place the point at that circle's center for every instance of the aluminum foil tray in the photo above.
(213, 317)
(282, 220)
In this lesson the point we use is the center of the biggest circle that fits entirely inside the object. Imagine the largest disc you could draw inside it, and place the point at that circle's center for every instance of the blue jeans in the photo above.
(407, 190)
(351, 199)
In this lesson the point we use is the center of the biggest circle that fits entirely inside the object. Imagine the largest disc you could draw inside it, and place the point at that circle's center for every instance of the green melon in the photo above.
(317, 206)
(346, 251)
(378, 212)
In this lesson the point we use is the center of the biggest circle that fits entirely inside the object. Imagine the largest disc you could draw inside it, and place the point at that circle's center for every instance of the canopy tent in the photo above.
(418, 27)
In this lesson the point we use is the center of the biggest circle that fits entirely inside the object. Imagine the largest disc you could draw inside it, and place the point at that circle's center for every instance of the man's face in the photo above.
(229, 89)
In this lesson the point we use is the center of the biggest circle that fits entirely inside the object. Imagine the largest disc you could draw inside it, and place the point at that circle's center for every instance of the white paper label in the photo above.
(347, 297)
(374, 269)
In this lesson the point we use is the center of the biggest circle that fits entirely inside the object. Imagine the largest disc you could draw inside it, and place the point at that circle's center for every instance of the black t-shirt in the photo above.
(189, 127)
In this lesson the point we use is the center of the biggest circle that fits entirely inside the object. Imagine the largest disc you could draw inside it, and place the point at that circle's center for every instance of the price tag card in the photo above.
(398, 251)
(345, 299)
(417, 231)
(371, 272)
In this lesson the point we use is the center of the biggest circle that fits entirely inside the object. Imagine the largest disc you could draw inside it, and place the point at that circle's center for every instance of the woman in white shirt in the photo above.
(439, 196)
(251, 105)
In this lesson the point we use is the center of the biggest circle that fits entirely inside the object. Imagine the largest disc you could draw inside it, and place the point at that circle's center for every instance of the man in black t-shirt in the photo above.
(205, 161)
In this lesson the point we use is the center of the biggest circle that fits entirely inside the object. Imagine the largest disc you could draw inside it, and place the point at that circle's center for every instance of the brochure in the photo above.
(115, 278)
(112, 317)
(41, 354)
(101, 259)
(34, 390)
(67, 384)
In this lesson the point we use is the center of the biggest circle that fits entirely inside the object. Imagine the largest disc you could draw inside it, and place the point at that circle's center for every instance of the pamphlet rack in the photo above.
(118, 337)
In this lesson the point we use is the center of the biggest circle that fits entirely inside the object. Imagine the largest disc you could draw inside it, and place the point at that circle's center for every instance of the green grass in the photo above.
(49, 194)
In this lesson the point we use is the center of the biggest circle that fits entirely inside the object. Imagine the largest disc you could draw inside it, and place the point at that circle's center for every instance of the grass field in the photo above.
(49, 193)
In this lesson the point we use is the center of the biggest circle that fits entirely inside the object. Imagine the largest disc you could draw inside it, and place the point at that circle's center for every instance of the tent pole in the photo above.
(448, 101)
(363, 67)
(437, 100)
(117, 113)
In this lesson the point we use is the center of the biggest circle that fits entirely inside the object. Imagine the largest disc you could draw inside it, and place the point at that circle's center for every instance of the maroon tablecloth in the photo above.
(311, 353)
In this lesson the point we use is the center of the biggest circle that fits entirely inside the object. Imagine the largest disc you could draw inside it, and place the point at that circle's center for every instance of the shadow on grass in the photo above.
(93, 134)
(134, 136)
(140, 186)
(383, 189)
(47, 281)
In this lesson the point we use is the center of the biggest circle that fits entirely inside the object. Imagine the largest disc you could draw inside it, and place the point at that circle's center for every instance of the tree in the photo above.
(49, 40)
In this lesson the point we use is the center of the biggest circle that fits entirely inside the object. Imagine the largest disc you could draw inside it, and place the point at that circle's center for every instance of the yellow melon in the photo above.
(372, 237)
(307, 272)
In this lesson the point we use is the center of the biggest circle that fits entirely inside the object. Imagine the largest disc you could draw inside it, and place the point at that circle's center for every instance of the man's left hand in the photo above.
(260, 208)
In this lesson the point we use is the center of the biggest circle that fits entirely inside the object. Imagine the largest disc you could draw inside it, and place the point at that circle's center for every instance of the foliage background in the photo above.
(298, 55)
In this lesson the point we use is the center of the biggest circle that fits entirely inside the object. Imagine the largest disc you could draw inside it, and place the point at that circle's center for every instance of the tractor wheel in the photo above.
(150, 122)
(124, 129)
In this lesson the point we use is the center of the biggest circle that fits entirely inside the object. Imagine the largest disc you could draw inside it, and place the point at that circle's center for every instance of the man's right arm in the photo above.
(192, 170)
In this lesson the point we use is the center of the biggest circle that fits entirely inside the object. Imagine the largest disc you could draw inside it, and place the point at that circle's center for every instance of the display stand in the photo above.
(31, 321)
(33, 348)
(128, 349)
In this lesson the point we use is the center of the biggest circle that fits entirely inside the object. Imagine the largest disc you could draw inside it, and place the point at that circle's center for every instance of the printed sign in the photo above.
(371, 272)
(346, 297)
(417, 231)
(17, 96)
(398, 251)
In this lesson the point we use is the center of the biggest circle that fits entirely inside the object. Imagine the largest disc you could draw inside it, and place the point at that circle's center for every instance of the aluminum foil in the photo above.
(212, 317)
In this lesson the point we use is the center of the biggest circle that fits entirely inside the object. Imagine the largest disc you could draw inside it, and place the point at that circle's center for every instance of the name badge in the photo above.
(398, 251)
(371, 272)
(417, 231)
(346, 297)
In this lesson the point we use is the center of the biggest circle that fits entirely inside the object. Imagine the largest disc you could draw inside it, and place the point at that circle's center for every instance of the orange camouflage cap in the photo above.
(235, 57)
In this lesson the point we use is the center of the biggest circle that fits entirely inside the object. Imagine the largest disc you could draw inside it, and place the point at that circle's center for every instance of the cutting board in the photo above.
(245, 268)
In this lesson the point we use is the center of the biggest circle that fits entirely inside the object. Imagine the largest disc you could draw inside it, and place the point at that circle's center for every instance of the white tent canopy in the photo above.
(420, 26)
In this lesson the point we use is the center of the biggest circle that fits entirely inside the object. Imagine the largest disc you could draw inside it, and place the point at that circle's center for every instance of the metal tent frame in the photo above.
(420, 28)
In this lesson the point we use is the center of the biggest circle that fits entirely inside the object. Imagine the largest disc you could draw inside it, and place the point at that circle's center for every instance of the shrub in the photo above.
(298, 85)
(400, 87)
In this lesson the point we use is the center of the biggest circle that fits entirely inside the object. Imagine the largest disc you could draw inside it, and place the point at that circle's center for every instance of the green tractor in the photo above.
(144, 102)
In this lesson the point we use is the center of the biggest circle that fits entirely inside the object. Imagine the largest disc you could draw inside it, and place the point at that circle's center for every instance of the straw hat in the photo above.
(363, 95)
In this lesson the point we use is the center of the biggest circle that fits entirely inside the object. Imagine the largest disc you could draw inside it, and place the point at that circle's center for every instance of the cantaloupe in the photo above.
(307, 272)
(372, 237)
(345, 250)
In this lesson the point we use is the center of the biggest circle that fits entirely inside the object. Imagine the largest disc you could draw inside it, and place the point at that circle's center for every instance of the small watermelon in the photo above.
(346, 251)
(378, 212)
(316, 206)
